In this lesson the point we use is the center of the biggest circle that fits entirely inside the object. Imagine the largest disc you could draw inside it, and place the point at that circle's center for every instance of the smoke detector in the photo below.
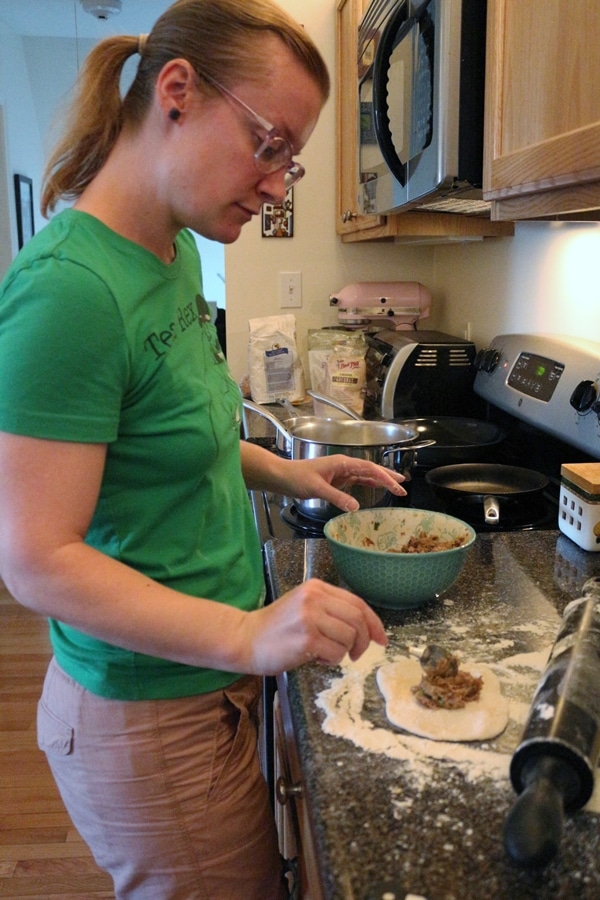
(102, 9)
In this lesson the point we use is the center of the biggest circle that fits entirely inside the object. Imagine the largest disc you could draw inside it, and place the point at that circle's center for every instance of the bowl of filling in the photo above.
(398, 558)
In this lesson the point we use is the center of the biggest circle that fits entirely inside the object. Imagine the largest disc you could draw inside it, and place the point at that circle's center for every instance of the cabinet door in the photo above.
(349, 14)
(542, 154)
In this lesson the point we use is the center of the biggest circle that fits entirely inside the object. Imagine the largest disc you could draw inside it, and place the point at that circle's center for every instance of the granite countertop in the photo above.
(424, 817)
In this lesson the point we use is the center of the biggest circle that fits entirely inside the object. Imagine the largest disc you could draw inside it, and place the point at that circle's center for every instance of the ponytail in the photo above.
(93, 125)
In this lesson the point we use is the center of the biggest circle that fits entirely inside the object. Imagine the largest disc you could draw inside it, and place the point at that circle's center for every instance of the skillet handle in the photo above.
(491, 510)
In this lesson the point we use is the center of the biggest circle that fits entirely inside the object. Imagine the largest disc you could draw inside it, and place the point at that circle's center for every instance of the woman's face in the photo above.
(215, 187)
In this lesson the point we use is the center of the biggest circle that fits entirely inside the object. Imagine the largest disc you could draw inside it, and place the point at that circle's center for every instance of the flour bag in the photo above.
(337, 367)
(276, 371)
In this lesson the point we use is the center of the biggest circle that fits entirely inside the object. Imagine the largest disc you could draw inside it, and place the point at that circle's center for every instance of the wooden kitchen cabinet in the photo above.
(352, 226)
(349, 14)
(542, 140)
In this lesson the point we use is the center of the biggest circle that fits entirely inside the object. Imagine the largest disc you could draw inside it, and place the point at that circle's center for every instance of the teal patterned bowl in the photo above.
(368, 549)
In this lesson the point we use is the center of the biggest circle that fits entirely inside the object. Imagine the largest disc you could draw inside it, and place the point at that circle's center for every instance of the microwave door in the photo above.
(403, 91)
(396, 108)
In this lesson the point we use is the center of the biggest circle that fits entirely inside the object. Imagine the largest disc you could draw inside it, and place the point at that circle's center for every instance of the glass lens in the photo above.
(274, 153)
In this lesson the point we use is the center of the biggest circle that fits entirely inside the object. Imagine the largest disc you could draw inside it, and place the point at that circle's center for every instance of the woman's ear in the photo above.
(174, 87)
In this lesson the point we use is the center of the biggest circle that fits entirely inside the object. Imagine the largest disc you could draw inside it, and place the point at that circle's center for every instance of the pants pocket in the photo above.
(236, 738)
(54, 736)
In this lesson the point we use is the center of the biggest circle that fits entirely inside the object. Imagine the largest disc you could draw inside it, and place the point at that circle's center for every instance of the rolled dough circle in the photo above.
(478, 720)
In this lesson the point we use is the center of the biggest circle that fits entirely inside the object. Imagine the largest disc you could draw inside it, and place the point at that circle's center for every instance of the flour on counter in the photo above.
(343, 703)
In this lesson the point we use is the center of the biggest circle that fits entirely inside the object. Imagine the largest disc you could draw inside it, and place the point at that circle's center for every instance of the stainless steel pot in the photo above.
(310, 437)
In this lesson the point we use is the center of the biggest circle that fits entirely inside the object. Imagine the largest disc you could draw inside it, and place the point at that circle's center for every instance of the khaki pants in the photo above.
(168, 794)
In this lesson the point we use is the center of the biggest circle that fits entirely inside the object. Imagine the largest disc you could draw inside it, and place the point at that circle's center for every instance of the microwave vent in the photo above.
(458, 207)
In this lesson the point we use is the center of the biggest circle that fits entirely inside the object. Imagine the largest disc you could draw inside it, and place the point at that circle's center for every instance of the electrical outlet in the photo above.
(290, 289)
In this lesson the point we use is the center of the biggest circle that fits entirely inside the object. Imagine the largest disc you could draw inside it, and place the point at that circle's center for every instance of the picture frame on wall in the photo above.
(24, 202)
(278, 218)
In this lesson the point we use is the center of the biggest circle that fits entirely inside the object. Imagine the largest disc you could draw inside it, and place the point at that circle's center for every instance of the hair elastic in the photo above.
(142, 38)
(174, 114)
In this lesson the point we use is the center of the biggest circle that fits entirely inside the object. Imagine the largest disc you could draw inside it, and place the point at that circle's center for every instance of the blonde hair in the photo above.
(219, 38)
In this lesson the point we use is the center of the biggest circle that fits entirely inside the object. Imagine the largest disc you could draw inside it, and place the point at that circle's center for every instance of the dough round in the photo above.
(479, 720)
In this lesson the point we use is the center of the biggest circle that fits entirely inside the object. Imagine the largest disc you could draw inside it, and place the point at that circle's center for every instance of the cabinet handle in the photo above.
(283, 790)
(348, 215)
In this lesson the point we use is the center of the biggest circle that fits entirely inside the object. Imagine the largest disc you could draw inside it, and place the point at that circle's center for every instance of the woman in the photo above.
(124, 515)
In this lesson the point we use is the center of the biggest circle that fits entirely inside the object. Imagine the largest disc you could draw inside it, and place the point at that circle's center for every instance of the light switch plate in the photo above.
(290, 289)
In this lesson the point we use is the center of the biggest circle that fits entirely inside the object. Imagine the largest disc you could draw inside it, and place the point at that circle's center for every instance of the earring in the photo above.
(174, 114)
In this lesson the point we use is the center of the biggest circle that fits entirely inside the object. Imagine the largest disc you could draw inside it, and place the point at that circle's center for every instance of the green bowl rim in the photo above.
(386, 553)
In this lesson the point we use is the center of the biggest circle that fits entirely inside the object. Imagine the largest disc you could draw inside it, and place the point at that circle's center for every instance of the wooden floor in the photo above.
(41, 854)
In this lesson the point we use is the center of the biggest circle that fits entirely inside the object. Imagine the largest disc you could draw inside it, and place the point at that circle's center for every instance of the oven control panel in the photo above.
(535, 375)
(538, 379)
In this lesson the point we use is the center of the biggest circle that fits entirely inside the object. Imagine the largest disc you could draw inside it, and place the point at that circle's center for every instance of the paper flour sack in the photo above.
(276, 371)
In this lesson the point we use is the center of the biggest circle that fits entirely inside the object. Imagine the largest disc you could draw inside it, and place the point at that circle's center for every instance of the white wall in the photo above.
(546, 279)
(22, 136)
(6, 201)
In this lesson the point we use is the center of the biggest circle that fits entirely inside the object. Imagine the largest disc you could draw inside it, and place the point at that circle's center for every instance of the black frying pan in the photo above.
(485, 483)
(457, 440)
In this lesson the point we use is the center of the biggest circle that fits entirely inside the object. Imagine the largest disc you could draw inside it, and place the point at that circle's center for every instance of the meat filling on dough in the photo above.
(444, 686)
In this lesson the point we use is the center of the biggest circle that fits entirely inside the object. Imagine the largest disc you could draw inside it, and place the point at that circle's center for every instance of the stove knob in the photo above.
(491, 359)
(478, 361)
(584, 396)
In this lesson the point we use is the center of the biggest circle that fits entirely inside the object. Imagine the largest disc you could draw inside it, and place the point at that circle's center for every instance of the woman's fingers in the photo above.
(316, 621)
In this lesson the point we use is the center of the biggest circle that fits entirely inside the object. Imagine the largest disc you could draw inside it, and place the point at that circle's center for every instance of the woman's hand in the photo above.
(327, 478)
(330, 478)
(315, 621)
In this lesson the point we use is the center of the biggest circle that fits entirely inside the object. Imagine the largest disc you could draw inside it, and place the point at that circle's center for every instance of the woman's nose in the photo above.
(272, 186)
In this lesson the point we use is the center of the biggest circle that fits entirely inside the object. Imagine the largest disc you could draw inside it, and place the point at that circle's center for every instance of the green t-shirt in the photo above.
(101, 342)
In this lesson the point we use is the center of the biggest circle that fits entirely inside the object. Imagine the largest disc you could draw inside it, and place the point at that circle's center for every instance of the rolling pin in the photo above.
(553, 767)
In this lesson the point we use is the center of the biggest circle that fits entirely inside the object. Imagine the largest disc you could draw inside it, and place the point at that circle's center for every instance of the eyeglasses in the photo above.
(275, 152)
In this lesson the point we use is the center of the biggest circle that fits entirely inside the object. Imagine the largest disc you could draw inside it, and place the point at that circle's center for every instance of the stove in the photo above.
(543, 391)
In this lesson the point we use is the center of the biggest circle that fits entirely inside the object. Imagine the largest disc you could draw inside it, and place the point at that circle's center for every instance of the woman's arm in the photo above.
(48, 493)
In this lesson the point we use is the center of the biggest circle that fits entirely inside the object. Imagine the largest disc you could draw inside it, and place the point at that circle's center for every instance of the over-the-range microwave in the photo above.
(421, 79)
